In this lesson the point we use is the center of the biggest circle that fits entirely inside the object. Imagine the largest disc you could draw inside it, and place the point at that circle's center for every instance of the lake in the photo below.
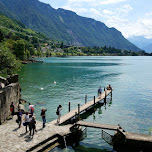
(75, 77)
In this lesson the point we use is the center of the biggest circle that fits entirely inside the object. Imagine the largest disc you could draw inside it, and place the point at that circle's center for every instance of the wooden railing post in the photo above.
(85, 99)
(94, 100)
(105, 95)
(78, 111)
(69, 107)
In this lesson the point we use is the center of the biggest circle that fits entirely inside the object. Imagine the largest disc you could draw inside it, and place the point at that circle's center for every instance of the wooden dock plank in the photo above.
(138, 137)
(84, 107)
(97, 125)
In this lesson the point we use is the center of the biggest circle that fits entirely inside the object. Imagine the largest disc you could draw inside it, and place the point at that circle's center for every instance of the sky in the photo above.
(130, 17)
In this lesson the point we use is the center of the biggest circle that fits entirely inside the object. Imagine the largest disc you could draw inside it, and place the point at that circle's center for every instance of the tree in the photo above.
(47, 53)
(8, 62)
(39, 53)
(58, 54)
(61, 46)
(1, 36)
(34, 40)
(31, 50)
(19, 49)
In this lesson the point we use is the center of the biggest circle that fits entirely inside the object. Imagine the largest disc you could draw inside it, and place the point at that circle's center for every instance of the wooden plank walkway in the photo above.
(138, 137)
(84, 107)
(97, 125)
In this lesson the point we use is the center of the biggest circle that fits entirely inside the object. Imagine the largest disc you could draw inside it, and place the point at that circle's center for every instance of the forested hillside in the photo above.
(17, 42)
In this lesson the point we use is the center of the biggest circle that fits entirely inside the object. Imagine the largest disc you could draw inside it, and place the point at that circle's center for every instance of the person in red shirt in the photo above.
(12, 109)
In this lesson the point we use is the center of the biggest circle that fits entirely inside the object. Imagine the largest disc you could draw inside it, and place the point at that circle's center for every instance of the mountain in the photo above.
(142, 42)
(148, 48)
(66, 26)
(7, 12)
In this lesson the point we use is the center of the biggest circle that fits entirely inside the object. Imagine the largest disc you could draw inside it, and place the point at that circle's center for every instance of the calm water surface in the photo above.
(76, 77)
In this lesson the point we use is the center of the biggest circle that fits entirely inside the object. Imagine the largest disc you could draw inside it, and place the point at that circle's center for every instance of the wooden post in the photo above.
(105, 96)
(85, 99)
(94, 100)
(69, 107)
(78, 111)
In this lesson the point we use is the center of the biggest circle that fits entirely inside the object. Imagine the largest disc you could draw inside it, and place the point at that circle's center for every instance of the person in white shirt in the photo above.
(59, 113)
(27, 120)
(30, 108)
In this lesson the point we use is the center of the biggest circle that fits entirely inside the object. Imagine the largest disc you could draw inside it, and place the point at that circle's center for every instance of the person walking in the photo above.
(99, 92)
(27, 121)
(19, 118)
(43, 116)
(58, 112)
(32, 125)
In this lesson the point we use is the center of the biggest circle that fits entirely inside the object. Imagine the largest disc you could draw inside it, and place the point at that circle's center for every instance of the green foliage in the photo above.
(61, 46)
(150, 130)
(64, 54)
(58, 54)
(39, 53)
(20, 49)
(1, 36)
(8, 63)
(47, 53)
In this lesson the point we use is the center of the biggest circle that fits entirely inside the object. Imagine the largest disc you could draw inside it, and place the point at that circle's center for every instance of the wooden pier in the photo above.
(121, 138)
(97, 125)
(83, 108)
(127, 135)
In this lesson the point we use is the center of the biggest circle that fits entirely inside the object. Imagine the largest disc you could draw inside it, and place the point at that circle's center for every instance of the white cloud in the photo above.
(125, 9)
(107, 12)
(122, 17)
(72, 1)
(105, 2)
(145, 26)
(140, 27)
(95, 12)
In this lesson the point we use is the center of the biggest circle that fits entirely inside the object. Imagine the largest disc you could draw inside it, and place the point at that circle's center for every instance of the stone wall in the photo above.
(10, 93)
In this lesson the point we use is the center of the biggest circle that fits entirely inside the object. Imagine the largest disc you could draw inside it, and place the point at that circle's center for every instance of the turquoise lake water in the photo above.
(75, 77)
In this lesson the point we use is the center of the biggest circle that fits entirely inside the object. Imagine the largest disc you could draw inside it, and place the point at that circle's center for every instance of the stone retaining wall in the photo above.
(10, 93)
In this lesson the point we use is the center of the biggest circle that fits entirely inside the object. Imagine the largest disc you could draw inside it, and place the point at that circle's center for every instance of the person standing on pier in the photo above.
(58, 112)
(99, 92)
(109, 87)
(43, 116)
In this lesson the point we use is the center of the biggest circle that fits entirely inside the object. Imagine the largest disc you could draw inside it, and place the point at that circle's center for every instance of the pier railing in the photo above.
(84, 133)
(107, 137)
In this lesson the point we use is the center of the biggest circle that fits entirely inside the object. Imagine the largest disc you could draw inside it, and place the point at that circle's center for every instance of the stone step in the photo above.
(47, 145)
(52, 147)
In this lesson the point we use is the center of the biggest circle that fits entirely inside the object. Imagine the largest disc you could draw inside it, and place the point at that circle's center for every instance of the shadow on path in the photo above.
(21, 135)
(15, 129)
